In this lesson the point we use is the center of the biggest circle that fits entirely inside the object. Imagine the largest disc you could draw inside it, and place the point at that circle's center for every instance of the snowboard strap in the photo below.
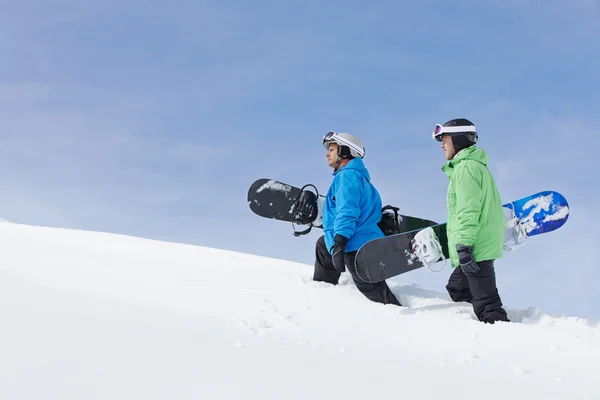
(515, 233)
(305, 209)
(428, 249)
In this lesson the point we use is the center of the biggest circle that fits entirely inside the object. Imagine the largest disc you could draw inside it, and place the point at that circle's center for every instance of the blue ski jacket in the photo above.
(352, 207)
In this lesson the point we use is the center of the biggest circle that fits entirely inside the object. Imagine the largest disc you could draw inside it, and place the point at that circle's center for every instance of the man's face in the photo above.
(447, 147)
(332, 155)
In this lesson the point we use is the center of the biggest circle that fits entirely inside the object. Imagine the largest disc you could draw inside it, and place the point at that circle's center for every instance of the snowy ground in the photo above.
(89, 315)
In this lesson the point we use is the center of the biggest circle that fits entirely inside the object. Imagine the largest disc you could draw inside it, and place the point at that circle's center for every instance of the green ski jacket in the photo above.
(475, 216)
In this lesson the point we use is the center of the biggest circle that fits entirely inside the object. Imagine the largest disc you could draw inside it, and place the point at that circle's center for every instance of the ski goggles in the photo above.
(332, 137)
(440, 131)
(328, 137)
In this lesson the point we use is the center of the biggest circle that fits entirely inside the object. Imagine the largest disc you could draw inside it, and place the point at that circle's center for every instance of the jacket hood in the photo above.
(357, 165)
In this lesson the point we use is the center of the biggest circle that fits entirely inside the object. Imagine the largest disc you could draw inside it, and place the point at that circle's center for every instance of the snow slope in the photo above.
(88, 315)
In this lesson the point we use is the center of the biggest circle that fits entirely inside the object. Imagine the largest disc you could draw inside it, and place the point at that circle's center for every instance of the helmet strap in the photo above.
(344, 151)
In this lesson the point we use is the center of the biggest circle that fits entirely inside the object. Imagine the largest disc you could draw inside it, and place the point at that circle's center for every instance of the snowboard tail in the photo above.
(272, 199)
(542, 212)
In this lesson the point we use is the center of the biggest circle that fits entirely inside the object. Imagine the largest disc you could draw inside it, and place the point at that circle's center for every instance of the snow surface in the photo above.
(89, 315)
(275, 186)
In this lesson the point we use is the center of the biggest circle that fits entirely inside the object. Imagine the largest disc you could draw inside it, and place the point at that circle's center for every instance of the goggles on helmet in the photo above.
(441, 130)
(328, 138)
(342, 140)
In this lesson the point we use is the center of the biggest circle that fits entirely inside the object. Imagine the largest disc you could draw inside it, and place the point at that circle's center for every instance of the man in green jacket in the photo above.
(476, 222)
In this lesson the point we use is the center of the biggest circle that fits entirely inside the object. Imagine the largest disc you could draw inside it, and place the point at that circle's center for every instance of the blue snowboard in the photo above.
(542, 212)
(383, 258)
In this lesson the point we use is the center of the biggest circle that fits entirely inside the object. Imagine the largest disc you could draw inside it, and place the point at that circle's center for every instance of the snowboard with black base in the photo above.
(272, 199)
(384, 258)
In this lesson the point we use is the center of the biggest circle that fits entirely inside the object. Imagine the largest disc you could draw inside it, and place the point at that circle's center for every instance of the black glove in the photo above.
(465, 258)
(339, 249)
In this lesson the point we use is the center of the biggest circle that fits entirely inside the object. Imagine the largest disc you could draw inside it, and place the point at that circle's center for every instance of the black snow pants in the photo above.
(325, 272)
(480, 290)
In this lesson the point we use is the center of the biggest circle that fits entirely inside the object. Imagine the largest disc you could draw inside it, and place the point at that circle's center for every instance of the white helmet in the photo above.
(348, 145)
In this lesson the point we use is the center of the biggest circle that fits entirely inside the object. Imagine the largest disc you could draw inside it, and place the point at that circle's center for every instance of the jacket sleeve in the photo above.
(469, 196)
(347, 197)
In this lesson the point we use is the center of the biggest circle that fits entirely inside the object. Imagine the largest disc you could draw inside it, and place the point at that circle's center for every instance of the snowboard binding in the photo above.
(305, 209)
(428, 249)
(389, 223)
(515, 233)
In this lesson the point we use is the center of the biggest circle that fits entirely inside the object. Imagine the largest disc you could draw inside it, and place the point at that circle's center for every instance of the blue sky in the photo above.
(153, 120)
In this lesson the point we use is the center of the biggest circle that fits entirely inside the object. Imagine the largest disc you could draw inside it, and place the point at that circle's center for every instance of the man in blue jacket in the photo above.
(350, 215)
